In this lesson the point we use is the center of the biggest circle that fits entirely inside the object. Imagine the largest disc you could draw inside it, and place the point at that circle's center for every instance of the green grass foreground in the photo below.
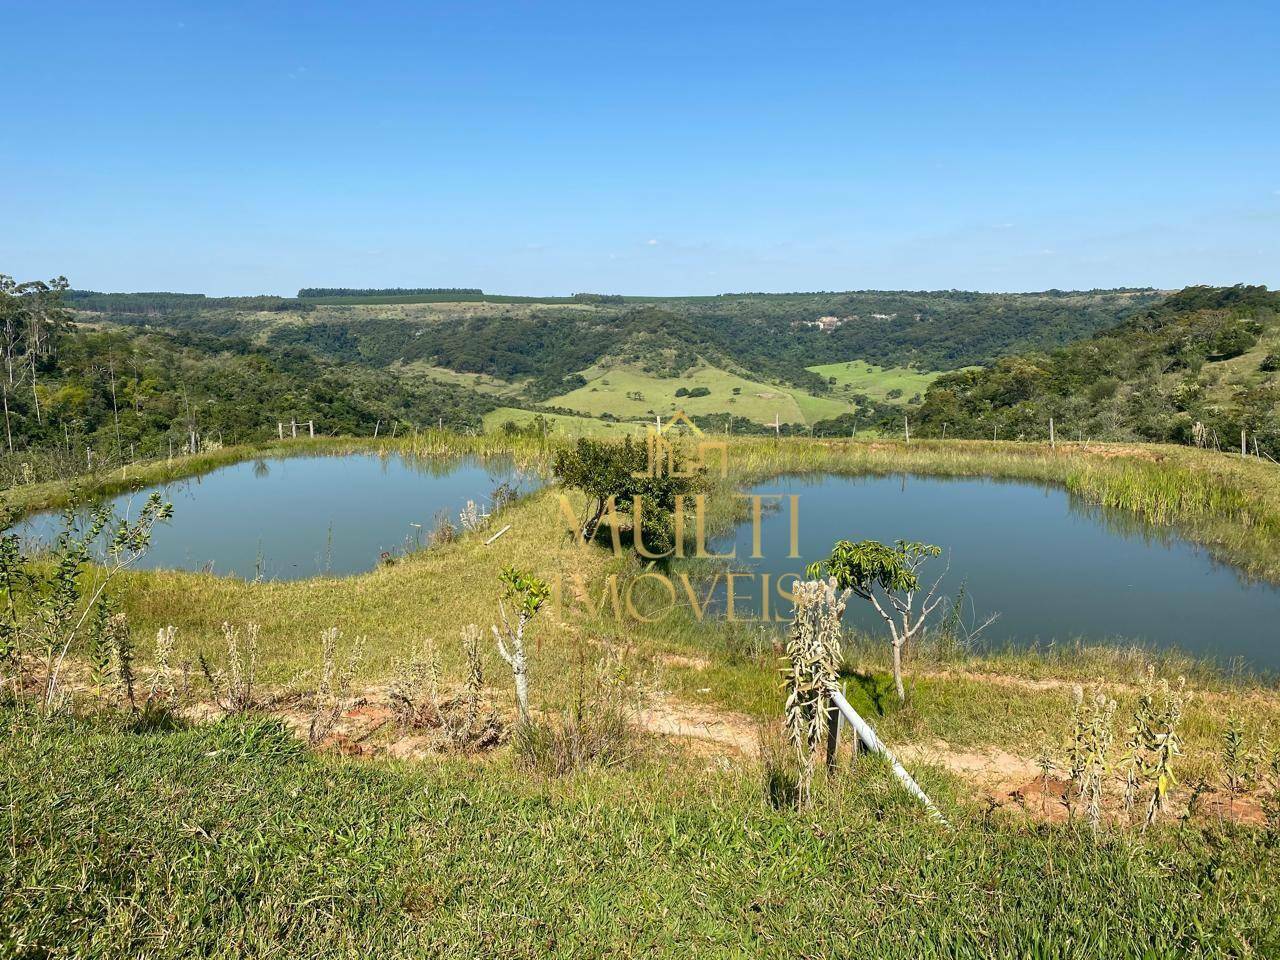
(234, 840)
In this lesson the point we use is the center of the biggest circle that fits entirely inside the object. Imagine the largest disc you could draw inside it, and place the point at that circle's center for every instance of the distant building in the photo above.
(825, 324)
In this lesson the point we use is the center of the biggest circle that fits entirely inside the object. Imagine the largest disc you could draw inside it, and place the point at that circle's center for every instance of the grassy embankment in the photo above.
(1231, 505)
(223, 830)
(562, 424)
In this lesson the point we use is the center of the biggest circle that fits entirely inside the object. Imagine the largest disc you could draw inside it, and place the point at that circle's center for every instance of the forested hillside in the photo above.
(128, 392)
(1199, 367)
(136, 372)
(764, 336)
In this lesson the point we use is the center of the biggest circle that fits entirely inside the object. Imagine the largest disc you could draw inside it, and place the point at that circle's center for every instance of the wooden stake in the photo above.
(1053, 441)
(833, 736)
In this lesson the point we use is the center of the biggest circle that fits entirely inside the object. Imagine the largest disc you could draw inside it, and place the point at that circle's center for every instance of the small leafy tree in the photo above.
(1239, 764)
(1088, 751)
(527, 594)
(887, 577)
(617, 476)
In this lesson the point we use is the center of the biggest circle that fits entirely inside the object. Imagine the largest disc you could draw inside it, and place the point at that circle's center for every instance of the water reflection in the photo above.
(1054, 567)
(294, 517)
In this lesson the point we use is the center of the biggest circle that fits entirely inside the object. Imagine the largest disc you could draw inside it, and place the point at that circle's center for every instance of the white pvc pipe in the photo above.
(876, 745)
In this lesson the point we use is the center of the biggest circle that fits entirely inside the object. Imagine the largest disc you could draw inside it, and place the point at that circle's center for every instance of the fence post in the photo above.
(311, 425)
(833, 735)
(1053, 440)
(863, 731)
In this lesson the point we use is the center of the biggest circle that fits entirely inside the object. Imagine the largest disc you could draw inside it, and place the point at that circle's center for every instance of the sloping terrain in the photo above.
(854, 377)
(628, 357)
(625, 392)
(1201, 367)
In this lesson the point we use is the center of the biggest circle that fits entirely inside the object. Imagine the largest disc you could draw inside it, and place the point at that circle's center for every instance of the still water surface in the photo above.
(294, 517)
(1053, 568)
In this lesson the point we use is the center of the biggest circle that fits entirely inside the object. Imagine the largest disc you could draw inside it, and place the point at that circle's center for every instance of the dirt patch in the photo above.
(733, 732)
(1040, 799)
(1048, 802)
(991, 768)
(683, 662)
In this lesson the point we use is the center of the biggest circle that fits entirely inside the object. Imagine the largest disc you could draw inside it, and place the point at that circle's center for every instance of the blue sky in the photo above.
(640, 148)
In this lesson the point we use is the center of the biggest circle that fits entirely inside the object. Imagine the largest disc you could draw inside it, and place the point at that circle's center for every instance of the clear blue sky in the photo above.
(544, 147)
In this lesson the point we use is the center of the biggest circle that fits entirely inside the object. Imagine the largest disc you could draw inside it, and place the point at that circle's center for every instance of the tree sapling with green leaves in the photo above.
(617, 477)
(887, 577)
(48, 606)
(528, 594)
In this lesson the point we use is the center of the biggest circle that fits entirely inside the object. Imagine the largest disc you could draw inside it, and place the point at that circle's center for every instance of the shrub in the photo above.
(468, 721)
(595, 730)
(333, 691)
(233, 688)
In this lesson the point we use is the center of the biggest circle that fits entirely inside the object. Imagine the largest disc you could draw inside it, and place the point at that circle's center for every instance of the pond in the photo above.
(1053, 568)
(295, 517)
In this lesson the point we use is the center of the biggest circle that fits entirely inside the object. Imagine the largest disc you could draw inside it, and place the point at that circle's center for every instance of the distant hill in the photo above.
(371, 292)
(796, 357)
(1207, 356)
(775, 336)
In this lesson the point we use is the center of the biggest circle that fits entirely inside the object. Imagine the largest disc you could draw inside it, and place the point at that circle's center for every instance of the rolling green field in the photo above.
(479, 382)
(628, 392)
(562, 424)
(858, 376)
